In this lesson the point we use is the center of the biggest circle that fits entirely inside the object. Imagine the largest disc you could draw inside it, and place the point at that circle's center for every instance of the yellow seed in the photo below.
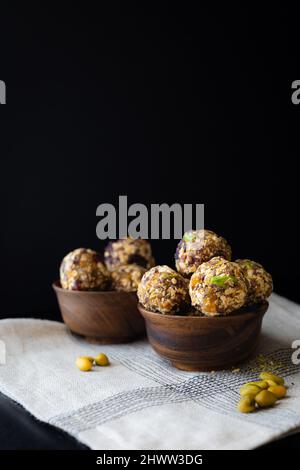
(265, 398)
(269, 376)
(249, 390)
(101, 360)
(246, 404)
(83, 364)
(278, 390)
(271, 383)
(89, 358)
(263, 384)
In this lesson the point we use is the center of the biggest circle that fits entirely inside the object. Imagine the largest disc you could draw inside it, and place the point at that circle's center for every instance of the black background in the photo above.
(161, 104)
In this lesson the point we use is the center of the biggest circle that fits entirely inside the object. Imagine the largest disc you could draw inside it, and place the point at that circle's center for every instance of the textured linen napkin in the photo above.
(140, 401)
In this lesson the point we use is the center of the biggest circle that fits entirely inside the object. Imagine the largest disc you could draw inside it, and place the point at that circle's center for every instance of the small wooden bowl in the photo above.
(205, 343)
(104, 317)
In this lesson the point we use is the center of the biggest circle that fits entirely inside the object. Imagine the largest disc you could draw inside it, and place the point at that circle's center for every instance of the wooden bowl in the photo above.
(103, 317)
(205, 343)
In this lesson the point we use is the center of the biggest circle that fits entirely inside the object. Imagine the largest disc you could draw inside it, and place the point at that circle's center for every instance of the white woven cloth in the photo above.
(140, 401)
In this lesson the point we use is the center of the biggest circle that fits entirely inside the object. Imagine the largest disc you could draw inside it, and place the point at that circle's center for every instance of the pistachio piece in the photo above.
(90, 358)
(249, 390)
(263, 384)
(271, 383)
(221, 281)
(269, 376)
(101, 360)
(84, 364)
(189, 237)
(278, 390)
(246, 404)
(265, 398)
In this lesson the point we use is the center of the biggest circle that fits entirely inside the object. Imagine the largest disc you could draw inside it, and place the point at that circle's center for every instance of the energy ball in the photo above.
(128, 251)
(260, 281)
(218, 287)
(127, 277)
(165, 291)
(197, 247)
(83, 269)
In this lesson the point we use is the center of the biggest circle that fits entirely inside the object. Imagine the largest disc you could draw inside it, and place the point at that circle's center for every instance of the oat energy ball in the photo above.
(218, 287)
(164, 290)
(260, 281)
(128, 251)
(197, 247)
(127, 277)
(83, 269)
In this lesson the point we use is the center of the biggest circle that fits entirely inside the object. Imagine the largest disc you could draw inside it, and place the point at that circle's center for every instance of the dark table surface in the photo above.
(20, 430)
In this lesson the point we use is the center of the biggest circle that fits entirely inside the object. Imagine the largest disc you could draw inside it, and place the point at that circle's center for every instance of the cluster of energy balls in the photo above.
(121, 268)
(206, 282)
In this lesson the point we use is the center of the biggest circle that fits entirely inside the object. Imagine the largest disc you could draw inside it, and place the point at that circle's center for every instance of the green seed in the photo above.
(269, 376)
(221, 281)
(164, 275)
(265, 398)
(246, 404)
(189, 237)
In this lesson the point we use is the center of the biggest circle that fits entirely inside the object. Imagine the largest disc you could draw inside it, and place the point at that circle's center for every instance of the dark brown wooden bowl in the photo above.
(205, 343)
(103, 317)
